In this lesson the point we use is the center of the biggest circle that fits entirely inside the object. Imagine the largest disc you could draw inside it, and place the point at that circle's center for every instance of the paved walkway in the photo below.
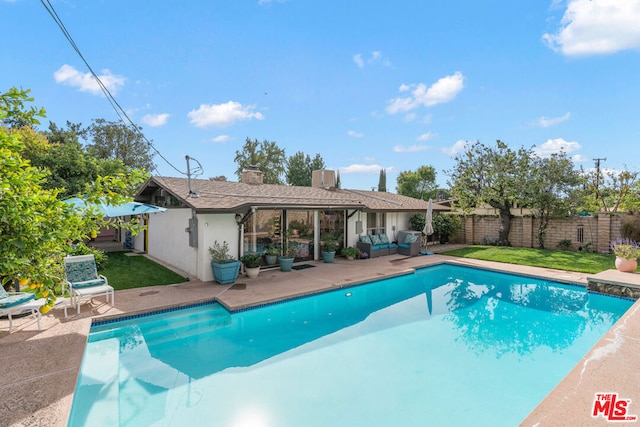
(40, 368)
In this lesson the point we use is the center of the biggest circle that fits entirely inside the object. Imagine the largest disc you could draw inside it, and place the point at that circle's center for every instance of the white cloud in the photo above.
(68, 75)
(222, 115)
(360, 168)
(591, 27)
(355, 134)
(553, 146)
(579, 158)
(546, 122)
(358, 60)
(221, 138)
(155, 119)
(459, 146)
(409, 149)
(426, 136)
(374, 58)
(444, 90)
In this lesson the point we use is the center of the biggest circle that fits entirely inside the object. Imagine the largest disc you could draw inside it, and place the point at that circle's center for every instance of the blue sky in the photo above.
(367, 85)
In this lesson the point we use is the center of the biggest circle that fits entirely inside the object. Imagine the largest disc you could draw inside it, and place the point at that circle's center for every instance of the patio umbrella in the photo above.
(428, 224)
(109, 211)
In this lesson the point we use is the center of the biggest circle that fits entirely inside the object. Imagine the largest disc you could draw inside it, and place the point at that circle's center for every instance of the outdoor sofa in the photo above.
(376, 245)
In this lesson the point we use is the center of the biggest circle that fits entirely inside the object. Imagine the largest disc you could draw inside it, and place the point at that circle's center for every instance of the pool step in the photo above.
(162, 333)
(213, 316)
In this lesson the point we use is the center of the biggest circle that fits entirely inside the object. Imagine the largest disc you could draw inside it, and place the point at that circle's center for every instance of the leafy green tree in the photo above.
(37, 228)
(114, 140)
(266, 156)
(419, 184)
(549, 186)
(382, 182)
(300, 168)
(493, 176)
(12, 104)
(613, 190)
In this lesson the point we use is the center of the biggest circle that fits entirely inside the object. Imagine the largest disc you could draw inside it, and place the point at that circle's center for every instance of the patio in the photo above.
(40, 368)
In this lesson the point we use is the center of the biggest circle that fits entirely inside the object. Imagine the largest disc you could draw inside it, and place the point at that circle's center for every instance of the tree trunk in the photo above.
(505, 226)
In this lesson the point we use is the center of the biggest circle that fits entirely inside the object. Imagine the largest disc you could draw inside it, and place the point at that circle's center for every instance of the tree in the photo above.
(300, 168)
(60, 152)
(419, 184)
(338, 184)
(37, 228)
(551, 182)
(613, 190)
(382, 182)
(491, 176)
(113, 140)
(266, 156)
(14, 114)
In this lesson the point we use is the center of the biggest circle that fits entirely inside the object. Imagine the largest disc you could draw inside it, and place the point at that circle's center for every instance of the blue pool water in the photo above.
(447, 345)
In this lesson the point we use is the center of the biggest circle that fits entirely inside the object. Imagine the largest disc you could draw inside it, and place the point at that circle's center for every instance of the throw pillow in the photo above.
(365, 239)
(410, 238)
(384, 238)
(375, 239)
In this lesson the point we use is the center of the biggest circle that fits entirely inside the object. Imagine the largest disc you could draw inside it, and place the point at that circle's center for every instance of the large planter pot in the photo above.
(252, 272)
(626, 265)
(225, 273)
(328, 256)
(271, 259)
(285, 263)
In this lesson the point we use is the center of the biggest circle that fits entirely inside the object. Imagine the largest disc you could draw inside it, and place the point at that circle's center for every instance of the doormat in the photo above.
(302, 266)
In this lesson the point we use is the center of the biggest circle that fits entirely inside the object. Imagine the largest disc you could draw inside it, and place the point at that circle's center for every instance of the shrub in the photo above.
(564, 244)
(625, 248)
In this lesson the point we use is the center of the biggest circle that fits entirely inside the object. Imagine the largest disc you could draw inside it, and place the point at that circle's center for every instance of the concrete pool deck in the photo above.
(40, 368)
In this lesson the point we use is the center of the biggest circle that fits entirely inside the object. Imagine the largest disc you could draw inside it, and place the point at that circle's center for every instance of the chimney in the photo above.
(323, 179)
(252, 175)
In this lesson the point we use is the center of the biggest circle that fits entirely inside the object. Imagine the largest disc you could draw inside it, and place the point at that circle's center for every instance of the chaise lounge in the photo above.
(17, 302)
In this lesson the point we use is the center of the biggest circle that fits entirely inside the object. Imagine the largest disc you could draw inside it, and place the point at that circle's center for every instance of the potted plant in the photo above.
(271, 254)
(251, 263)
(289, 251)
(627, 253)
(350, 252)
(225, 267)
(329, 246)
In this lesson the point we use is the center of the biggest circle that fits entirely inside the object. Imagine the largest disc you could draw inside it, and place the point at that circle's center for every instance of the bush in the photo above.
(564, 244)
(630, 227)
(445, 226)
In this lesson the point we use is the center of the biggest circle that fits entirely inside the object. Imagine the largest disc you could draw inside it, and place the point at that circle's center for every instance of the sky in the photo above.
(367, 85)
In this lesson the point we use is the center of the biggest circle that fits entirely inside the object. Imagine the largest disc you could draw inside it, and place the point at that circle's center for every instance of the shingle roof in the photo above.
(223, 196)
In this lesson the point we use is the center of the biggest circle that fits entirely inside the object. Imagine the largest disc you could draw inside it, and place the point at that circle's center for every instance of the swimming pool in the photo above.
(447, 345)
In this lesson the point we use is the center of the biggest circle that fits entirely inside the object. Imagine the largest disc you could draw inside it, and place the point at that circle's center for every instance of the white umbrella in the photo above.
(428, 224)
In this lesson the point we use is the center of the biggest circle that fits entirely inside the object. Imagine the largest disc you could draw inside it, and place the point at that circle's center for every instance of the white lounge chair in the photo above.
(18, 302)
(84, 281)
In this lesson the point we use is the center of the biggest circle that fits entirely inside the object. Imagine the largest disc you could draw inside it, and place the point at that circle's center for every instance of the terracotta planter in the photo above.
(626, 265)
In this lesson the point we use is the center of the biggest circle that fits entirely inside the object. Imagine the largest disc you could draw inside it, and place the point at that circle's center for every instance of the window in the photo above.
(376, 222)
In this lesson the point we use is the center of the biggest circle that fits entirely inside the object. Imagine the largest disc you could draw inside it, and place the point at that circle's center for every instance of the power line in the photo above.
(114, 103)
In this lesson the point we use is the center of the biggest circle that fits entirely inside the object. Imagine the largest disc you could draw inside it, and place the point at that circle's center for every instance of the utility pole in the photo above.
(598, 160)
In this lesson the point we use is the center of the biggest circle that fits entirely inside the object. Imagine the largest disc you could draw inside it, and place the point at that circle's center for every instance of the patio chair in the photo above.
(83, 280)
(18, 302)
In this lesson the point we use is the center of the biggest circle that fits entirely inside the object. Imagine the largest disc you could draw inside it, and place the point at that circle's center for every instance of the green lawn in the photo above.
(126, 272)
(583, 262)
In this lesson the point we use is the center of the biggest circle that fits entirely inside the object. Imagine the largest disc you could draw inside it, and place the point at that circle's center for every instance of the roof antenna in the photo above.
(197, 171)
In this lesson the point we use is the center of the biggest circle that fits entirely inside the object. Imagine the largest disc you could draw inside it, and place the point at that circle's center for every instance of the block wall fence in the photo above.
(591, 233)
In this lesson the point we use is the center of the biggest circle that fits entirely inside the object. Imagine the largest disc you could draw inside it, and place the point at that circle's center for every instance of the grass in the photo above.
(127, 272)
(584, 262)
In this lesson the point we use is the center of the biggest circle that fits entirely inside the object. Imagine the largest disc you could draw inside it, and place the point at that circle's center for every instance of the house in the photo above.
(250, 216)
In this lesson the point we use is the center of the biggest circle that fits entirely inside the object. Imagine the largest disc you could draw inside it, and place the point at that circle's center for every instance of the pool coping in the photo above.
(42, 367)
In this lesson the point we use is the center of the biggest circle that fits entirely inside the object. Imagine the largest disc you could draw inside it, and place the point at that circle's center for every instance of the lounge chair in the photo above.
(18, 302)
(83, 280)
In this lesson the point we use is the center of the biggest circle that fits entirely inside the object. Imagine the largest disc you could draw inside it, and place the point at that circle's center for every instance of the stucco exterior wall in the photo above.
(169, 242)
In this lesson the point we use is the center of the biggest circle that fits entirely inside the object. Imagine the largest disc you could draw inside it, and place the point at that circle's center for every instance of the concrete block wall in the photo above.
(598, 231)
